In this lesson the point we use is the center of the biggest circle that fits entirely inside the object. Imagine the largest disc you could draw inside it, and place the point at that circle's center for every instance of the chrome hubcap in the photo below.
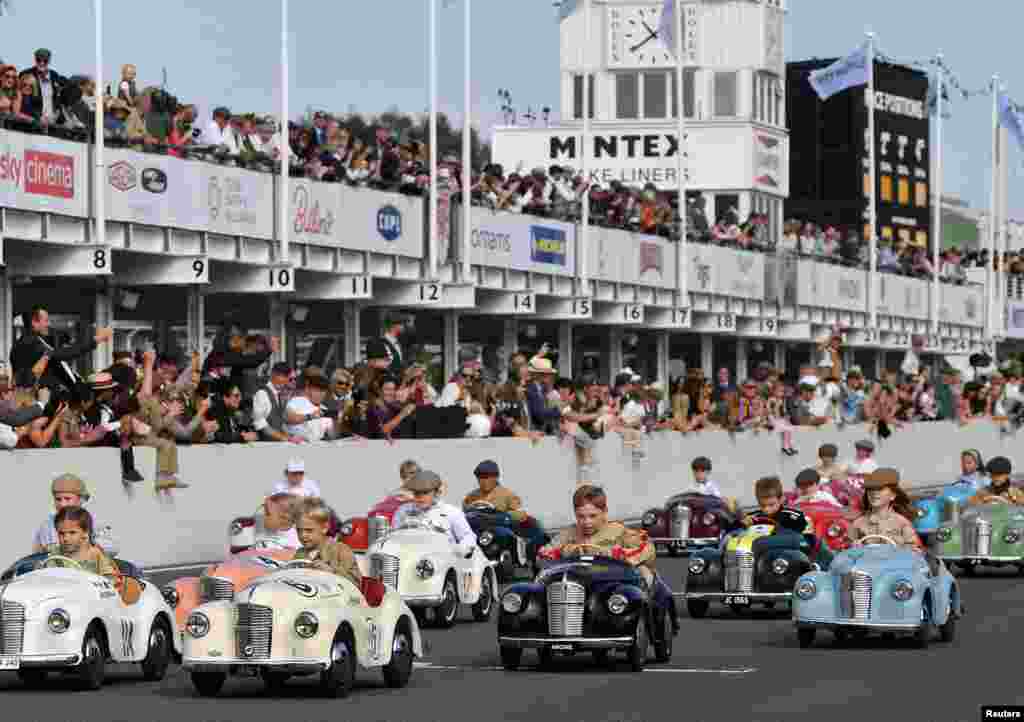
(401, 645)
(157, 639)
(92, 651)
(339, 653)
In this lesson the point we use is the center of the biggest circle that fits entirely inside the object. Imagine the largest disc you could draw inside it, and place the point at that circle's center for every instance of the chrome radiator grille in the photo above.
(855, 596)
(565, 608)
(679, 522)
(739, 571)
(253, 631)
(977, 537)
(213, 589)
(377, 527)
(12, 627)
(385, 568)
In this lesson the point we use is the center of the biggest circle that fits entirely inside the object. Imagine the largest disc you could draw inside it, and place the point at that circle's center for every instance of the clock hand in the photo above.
(654, 33)
(640, 45)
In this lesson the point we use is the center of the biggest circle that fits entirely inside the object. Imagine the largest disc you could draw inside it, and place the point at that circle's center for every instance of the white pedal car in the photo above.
(302, 621)
(57, 617)
(420, 562)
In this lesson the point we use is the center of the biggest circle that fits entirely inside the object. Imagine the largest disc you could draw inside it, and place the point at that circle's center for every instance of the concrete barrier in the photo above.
(228, 481)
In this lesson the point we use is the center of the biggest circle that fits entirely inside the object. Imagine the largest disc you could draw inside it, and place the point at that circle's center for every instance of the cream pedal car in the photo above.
(302, 621)
(418, 560)
(57, 617)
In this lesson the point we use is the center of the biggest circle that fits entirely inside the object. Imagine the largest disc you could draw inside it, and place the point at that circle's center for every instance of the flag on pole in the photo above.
(1011, 118)
(849, 72)
(667, 25)
(567, 8)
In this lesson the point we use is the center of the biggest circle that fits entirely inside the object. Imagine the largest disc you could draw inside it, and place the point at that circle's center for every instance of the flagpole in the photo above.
(585, 153)
(872, 200)
(989, 275)
(937, 188)
(682, 258)
(99, 183)
(432, 254)
(284, 197)
(467, 147)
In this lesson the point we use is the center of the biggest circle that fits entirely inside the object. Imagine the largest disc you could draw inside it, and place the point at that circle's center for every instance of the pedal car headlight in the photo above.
(944, 534)
(697, 566)
(347, 529)
(806, 589)
(197, 625)
(424, 569)
(485, 539)
(921, 513)
(779, 566)
(833, 531)
(170, 595)
(650, 518)
(306, 625)
(709, 519)
(902, 591)
(58, 621)
(512, 603)
(617, 604)
(1012, 536)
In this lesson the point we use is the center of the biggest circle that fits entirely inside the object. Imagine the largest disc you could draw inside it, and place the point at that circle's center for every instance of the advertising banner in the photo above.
(962, 305)
(329, 214)
(825, 285)
(726, 272)
(44, 175)
(625, 257)
(904, 297)
(166, 191)
(521, 243)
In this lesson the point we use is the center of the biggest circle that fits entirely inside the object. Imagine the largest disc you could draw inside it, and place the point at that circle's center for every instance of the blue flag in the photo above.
(843, 74)
(667, 25)
(1011, 118)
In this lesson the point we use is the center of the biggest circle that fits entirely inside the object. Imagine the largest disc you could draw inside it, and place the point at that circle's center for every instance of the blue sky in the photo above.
(369, 56)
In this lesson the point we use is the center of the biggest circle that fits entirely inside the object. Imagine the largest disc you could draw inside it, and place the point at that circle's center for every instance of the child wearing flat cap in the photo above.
(1000, 490)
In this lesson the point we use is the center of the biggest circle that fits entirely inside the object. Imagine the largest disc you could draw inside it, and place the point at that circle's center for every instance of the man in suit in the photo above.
(35, 356)
(394, 325)
(49, 84)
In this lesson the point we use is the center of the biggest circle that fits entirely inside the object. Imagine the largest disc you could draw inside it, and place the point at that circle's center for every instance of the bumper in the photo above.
(566, 643)
(422, 600)
(984, 560)
(48, 661)
(808, 622)
(752, 596)
(698, 543)
(225, 664)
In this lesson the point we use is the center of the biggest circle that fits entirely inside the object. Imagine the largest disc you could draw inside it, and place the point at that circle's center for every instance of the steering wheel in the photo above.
(483, 506)
(586, 549)
(860, 542)
(63, 562)
(996, 500)
(299, 564)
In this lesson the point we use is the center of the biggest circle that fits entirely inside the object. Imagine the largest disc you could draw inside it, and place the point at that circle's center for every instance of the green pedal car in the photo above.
(990, 535)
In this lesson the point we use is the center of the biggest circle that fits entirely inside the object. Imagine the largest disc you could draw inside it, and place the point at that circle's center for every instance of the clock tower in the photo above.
(736, 144)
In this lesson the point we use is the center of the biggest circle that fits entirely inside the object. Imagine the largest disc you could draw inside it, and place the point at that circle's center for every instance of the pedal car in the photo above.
(501, 539)
(882, 588)
(301, 621)
(57, 617)
(943, 508)
(220, 581)
(362, 532)
(430, 573)
(731, 574)
(688, 521)
(831, 524)
(586, 603)
(990, 535)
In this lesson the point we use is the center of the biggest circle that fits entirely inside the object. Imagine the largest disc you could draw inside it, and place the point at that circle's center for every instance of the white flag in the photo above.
(667, 25)
(849, 72)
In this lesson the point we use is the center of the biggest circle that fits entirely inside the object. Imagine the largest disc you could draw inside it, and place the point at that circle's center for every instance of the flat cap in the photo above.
(828, 451)
(70, 484)
(999, 465)
(424, 482)
(866, 444)
(882, 478)
(807, 476)
(487, 468)
(701, 462)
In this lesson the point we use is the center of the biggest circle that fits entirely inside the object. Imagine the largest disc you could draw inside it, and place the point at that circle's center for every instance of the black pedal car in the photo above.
(502, 539)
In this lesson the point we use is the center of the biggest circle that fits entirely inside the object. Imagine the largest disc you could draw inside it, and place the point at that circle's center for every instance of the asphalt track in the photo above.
(726, 668)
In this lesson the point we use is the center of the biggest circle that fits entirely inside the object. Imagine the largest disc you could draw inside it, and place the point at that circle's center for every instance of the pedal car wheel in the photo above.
(208, 684)
(336, 681)
(806, 637)
(158, 657)
(842, 636)
(446, 613)
(506, 566)
(663, 647)
(274, 681)
(638, 652)
(674, 550)
(948, 630)
(604, 657)
(697, 608)
(399, 669)
(485, 604)
(967, 570)
(924, 634)
(33, 678)
(511, 657)
(93, 669)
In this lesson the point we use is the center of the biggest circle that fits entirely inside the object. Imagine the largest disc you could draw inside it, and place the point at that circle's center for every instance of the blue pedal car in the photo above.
(934, 511)
(878, 589)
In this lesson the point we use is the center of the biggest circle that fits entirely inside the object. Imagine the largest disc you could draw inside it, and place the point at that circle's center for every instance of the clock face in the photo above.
(633, 38)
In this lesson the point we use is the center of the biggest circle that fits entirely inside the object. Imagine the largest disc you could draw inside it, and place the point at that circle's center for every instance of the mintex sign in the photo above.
(41, 174)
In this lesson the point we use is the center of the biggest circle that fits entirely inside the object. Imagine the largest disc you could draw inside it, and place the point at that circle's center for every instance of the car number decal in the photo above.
(306, 590)
(467, 583)
(373, 641)
(521, 550)
(127, 643)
